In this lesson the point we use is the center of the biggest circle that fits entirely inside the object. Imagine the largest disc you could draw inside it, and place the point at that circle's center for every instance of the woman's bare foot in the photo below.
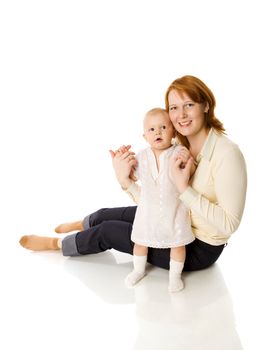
(38, 243)
(70, 226)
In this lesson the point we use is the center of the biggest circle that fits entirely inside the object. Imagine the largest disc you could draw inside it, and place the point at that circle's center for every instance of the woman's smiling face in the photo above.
(186, 115)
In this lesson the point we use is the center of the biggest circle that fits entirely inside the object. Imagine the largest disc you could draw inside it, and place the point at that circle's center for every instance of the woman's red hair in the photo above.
(199, 93)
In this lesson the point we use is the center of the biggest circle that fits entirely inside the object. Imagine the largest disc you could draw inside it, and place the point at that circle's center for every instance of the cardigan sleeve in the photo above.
(134, 189)
(134, 192)
(230, 183)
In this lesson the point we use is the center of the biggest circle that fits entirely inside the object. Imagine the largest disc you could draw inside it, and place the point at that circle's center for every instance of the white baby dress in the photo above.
(162, 220)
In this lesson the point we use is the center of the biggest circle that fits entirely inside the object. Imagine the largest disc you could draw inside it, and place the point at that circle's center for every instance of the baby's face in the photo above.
(158, 130)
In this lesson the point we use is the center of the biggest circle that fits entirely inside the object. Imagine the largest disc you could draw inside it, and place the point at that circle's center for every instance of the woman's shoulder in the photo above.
(224, 145)
(223, 142)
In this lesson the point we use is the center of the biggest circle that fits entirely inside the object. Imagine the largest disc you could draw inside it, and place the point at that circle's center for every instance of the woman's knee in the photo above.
(125, 214)
(96, 218)
(117, 235)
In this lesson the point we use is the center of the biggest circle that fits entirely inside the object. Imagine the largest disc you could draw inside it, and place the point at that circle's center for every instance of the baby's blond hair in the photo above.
(157, 110)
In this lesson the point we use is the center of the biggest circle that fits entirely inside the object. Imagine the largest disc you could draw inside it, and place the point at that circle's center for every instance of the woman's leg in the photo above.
(70, 226)
(107, 228)
(110, 234)
(102, 231)
(199, 255)
(122, 213)
(111, 228)
(38, 243)
(126, 214)
(107, 235)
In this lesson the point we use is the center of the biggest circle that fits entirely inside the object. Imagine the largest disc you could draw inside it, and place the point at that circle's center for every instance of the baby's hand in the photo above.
(183, 154)
(119, 152)
(123, 149)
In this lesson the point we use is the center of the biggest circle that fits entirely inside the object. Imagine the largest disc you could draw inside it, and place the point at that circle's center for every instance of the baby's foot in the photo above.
(133, 278)
(175, 284)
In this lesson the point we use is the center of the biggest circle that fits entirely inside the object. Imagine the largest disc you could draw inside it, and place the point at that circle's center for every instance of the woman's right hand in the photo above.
(124, 161)
(181, 175)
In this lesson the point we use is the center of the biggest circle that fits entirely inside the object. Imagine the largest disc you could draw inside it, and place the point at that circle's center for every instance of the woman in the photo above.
(215, 194)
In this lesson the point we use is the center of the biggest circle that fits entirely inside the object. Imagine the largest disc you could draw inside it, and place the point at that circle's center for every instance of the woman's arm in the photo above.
(134, 192)
(184, 154)
(230, 183)
(124, 162)
(181, 175)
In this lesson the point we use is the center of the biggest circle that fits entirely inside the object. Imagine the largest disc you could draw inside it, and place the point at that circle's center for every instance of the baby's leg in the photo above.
(139, 263)
(70, 226)
(176, 266)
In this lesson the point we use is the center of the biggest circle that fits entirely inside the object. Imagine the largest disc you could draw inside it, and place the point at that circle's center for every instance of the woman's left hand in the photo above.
(181, 176)
(123, 149)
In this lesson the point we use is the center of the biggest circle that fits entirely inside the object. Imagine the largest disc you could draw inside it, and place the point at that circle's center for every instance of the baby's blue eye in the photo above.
(151, 129)
(164, 127)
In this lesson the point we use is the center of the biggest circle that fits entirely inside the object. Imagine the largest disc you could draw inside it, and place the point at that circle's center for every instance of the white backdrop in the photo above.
(76, 79)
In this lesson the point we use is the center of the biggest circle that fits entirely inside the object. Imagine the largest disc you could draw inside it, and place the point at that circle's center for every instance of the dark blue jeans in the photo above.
(110, 228)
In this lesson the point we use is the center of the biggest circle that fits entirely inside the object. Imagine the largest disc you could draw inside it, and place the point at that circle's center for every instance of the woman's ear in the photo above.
(207, 107)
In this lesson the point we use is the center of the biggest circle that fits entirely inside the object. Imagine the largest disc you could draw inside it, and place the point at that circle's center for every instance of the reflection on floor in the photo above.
(200, 317)
(56, 302)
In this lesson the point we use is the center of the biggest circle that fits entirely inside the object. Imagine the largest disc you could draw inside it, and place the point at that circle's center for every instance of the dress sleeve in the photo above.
(230, 183)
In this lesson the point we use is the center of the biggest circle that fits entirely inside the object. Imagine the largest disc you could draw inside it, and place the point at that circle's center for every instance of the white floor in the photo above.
(52, 302)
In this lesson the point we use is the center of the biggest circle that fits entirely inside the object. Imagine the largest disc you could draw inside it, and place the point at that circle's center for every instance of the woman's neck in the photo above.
(197, 141)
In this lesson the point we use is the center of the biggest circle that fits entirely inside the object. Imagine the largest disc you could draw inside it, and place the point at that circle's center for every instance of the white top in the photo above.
(162, 220)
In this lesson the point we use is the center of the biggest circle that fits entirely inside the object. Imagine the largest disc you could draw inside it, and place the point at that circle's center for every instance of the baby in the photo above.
(161, 221)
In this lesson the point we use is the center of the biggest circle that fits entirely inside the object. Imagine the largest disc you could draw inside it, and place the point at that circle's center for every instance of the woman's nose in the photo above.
(183, 113)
